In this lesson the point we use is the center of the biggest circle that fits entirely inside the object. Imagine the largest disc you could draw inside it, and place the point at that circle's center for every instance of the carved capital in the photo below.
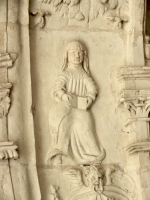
(4, 99)
(137, 102)
(8, 150)
(135, 92)
(7, 60)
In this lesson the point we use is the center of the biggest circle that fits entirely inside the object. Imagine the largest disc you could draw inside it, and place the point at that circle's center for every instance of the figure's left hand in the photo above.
(89, 102)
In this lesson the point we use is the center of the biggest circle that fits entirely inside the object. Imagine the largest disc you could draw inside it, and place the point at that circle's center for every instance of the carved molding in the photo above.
(116, 11)
(137, 147)
(147, 50)
(8, 150)
(132, 73)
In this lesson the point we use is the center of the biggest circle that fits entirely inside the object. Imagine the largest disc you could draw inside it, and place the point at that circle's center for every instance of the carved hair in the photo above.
(89, 169)
(73, 46)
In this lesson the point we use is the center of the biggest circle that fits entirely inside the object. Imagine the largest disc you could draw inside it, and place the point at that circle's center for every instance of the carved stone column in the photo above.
(135, 96)
(8, 149)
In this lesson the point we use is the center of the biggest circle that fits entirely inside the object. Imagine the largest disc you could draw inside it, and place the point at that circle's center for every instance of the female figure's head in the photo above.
(76, 55)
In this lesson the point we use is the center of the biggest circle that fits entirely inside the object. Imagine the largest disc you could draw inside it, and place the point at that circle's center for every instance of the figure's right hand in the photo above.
(66, 98)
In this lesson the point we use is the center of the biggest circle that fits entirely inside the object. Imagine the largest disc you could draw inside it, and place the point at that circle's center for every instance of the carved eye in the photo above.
(93, 178)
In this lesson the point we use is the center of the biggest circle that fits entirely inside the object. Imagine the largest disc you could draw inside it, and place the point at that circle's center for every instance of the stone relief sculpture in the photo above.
(69, 165)
(111, 10)
(4, 98)
(7, 148)
(39, 19)
(53, 195)
(117, 11)
(72, 128)
(97, 182)
(67, 8)
(90, 184)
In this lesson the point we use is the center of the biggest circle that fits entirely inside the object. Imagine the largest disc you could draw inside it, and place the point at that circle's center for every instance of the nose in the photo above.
(77, 54)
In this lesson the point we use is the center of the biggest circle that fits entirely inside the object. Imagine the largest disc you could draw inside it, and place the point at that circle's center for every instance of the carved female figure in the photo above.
(72, 129)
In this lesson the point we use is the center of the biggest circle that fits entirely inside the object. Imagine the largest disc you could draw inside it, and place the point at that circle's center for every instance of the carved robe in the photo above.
(72, 130)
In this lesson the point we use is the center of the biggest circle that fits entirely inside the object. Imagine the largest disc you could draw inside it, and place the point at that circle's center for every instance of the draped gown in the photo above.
(72, 130)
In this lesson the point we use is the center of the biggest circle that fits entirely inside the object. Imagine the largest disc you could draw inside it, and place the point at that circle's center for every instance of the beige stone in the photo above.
(74, 100)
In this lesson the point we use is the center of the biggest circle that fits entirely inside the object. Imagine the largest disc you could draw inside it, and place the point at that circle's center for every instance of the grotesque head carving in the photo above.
(94, 178)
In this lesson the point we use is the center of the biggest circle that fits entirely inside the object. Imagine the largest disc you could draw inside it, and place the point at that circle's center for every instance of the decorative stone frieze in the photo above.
(115, 11)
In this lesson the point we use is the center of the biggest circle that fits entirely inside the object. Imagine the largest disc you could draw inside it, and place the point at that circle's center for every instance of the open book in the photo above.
(78, 102)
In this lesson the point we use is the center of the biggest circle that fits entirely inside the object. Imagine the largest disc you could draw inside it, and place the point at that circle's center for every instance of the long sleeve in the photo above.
(60, 87)
(91, 88)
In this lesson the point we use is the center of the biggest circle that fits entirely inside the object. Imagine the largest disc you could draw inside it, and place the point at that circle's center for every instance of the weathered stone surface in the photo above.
(74, 100)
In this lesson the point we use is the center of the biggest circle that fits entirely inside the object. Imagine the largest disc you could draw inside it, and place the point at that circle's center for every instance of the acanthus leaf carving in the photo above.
(136, 101)
(6, 61)
(4, 99)
(138, 108)
(8, 150)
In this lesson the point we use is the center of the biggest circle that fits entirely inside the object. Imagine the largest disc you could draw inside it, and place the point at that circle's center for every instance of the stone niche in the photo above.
(75, 100)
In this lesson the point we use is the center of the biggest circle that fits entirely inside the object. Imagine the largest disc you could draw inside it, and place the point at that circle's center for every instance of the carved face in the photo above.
(75, 57)
(75, 53)
(94, 178)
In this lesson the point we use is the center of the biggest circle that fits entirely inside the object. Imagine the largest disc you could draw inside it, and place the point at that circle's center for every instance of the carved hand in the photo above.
(89, 102)
(66, 98)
